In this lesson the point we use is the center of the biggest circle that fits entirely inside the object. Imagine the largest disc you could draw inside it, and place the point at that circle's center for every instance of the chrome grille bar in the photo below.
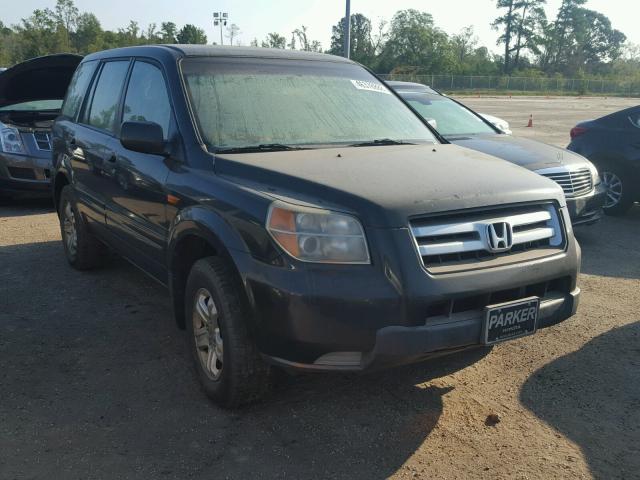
(573, 182)
(449, 242)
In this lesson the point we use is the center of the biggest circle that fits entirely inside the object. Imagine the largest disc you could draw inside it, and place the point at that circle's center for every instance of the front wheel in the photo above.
(619, 195)
(226, 359)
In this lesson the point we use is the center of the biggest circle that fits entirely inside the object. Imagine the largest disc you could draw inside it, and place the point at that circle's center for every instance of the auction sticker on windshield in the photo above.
(511, 320)
(371, 86)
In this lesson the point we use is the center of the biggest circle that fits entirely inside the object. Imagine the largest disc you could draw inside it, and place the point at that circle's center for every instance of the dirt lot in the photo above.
(95, 381)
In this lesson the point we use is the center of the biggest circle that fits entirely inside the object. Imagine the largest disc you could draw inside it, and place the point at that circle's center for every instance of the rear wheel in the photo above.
(619, 195)
(225, 356)
(82, 249)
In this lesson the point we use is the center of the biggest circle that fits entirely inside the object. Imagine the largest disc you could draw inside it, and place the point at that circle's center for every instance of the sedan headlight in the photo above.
(10, 140)
(316, 235)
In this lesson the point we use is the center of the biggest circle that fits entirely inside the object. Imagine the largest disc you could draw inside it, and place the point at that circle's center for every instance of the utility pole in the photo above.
(220, 19)
(347, 31)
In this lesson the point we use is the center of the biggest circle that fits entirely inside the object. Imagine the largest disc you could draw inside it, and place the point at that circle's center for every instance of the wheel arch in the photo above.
(197, 234)
(60, 180)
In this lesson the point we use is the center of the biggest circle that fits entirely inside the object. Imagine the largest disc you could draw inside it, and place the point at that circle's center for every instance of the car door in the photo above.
(93, 144)
(136, 211)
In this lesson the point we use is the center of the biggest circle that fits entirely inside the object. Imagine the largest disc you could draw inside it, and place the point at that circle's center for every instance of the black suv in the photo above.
(301, 214)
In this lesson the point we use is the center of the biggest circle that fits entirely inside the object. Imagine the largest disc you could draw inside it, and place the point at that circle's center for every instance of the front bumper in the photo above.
(25, 174)
(360, 317)
(587, 209)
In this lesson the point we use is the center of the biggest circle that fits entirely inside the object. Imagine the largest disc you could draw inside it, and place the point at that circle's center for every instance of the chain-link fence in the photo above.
(505, 84)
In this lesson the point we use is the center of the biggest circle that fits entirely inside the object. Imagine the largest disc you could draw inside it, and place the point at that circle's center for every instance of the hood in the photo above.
(385, 185)
(527, 153)
(41, 78)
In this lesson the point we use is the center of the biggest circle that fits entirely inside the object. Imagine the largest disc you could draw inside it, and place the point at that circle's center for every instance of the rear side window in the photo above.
(147, 99)
(78, 88)
(104, 105)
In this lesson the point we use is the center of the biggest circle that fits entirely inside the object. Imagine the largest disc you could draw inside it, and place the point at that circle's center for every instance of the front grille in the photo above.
(573, 182)
(43, 140)
(22, 173)
(460, 241)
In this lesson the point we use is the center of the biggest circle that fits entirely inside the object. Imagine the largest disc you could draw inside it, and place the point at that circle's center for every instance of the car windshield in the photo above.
(34, 105)
(242, 103)
(451, 118)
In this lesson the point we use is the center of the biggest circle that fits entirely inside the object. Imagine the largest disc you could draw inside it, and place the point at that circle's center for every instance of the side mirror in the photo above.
(432, 122)
(143, 137)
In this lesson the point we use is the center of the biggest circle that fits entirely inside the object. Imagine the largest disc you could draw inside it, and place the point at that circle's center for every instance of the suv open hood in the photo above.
(41, 78)
(386, 185)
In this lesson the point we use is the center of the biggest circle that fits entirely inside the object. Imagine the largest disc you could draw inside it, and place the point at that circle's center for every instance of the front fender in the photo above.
(207, 224)
(220, 234)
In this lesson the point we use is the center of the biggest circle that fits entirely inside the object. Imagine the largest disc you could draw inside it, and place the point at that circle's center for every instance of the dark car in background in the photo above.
(612, 143)
(31, 94)
(462, 126)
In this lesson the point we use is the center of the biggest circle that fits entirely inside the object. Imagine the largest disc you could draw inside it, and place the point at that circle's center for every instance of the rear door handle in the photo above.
(112, 159)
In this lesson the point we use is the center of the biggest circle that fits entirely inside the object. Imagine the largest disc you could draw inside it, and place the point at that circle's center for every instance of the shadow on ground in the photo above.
(96, 383)
(603, 422)
(16, 207)
(608, 247)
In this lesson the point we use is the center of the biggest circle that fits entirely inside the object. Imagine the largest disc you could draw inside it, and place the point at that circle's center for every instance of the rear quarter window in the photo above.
(78, 88)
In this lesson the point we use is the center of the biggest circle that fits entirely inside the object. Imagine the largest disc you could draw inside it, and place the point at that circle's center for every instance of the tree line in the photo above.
(577, 42)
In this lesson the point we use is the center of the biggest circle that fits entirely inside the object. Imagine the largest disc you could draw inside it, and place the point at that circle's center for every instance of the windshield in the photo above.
(34, 106)
(451, 119)
(240, 102)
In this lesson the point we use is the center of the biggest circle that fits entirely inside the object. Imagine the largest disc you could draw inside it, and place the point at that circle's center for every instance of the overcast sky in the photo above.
(258, 17)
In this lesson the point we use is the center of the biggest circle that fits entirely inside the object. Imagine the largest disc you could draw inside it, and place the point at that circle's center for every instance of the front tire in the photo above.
(619, 195)
(226, 359)
(82, 249)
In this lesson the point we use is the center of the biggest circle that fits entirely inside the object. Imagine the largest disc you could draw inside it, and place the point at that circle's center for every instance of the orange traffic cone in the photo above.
(530, 124)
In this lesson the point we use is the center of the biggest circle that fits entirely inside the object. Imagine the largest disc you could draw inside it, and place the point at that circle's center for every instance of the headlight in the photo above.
(595, 176)
(10, 141)
(316, 235)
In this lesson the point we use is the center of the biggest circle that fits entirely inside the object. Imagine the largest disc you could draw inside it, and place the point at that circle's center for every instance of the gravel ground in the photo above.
(95, 381)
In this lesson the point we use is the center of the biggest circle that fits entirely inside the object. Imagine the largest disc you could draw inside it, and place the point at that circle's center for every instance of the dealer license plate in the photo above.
(506, 321)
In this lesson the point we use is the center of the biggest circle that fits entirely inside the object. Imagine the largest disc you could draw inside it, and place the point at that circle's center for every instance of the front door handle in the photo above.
(112, 159)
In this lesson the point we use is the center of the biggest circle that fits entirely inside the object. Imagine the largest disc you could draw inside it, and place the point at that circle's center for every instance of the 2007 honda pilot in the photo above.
(301, 214)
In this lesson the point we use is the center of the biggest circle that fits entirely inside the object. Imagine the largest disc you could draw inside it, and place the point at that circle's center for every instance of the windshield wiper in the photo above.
(264, 147)
(381, 141)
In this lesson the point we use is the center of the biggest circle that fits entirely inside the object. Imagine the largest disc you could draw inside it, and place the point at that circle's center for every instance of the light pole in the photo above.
(347, 31)
(220, 18)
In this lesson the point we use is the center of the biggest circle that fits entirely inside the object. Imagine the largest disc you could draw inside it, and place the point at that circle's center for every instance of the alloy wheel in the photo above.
(206, 330)
(70, 231)
(613, 185)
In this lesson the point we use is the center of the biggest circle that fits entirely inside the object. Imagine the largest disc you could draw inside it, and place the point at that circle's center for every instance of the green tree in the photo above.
(274, 40)
(507, 23)
(414, 42)
(529, 28)
(558, 35)
(38, 34)
(361, 42)
(233, 31)
(88, 35)
(191, 34)
(168, 32)
(464, 43)
(299, 35)
(66, 17)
